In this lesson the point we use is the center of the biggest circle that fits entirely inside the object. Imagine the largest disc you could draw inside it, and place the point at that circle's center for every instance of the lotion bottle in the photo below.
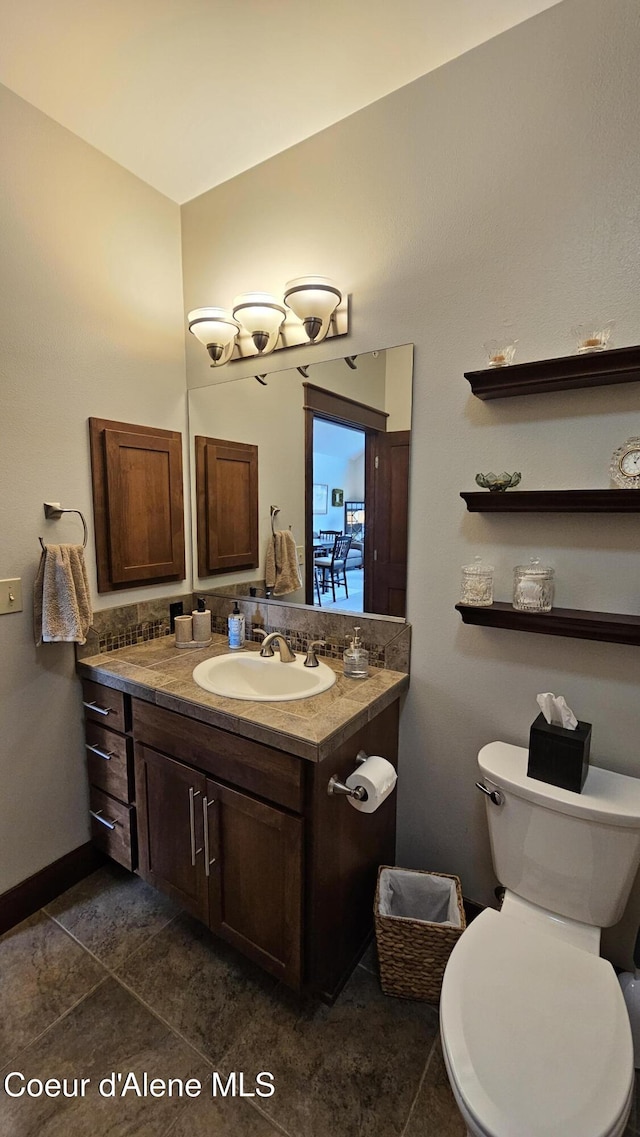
(201, 617)
(356, 658)
(235, 625)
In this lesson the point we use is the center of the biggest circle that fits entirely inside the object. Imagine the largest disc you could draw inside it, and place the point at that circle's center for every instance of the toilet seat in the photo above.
(535, 1034)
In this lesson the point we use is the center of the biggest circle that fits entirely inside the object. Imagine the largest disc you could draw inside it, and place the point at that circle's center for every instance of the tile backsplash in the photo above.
(388, 641)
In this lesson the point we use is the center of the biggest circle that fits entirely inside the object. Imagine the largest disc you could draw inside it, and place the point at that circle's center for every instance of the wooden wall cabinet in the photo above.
(226, 505)
(138, 504)
(246, 838)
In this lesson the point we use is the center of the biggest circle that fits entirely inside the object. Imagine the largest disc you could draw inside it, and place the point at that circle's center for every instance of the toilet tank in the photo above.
(575, 854)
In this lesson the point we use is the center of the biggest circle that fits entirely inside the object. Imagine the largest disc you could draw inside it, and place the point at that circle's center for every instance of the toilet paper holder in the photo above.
(335, 786)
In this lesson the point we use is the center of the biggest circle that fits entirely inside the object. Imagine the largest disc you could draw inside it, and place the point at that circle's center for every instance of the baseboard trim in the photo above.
(27, 897)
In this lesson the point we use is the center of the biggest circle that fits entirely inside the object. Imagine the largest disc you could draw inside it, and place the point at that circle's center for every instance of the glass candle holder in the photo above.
(533, 587)
(500, 353)
(593, 337)
(477, 584)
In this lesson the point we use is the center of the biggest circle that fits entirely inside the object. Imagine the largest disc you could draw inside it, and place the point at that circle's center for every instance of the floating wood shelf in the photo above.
(598, 369)
(607, 627)
(553, 501)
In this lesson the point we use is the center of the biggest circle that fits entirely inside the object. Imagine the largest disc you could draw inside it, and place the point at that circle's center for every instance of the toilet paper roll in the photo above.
(184, 629)
(202, 626)
(378, 778)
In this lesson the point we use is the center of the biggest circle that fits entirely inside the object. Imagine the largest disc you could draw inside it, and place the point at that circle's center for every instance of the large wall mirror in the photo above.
(320, 453)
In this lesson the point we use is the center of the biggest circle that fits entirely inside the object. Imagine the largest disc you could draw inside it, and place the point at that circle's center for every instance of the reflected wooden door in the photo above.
(387, 503)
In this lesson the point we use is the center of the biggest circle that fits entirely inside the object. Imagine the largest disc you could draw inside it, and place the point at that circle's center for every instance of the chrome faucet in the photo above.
(286, 654)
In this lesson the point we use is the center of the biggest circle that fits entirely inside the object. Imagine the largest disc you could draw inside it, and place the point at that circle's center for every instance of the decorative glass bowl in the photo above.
(593, 337)
(500, 353)
(497, 483)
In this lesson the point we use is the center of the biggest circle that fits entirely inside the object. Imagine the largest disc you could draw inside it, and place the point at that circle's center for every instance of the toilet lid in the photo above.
(536, 1032)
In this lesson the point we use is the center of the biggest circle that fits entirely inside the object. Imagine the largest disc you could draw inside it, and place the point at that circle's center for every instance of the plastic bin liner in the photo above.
(418, 896)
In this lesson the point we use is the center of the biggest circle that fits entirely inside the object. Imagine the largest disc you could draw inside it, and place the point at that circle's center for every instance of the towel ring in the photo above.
(53, 512)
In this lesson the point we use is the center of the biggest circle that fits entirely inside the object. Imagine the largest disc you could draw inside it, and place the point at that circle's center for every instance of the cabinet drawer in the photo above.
(109, 761)
(104, 705)
(113, 828)
(247, 764)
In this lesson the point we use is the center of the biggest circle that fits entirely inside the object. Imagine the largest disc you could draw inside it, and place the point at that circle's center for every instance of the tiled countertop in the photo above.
(160, 673)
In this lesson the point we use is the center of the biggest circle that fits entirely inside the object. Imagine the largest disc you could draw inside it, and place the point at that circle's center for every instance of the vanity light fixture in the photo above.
(313, 299)
(217, 330)
(312, 309)
(261, 316)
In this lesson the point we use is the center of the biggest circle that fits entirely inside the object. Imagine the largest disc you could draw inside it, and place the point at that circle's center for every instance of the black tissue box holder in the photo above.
(559, 756)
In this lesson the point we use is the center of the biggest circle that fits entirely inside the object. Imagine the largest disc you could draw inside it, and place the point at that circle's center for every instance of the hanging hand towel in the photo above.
(61, 604)
(282, 573)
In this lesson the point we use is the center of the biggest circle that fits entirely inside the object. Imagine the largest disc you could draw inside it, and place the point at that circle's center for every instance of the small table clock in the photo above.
(625, 465)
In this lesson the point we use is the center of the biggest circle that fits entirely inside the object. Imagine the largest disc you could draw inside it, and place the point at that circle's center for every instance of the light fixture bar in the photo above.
(293, 333)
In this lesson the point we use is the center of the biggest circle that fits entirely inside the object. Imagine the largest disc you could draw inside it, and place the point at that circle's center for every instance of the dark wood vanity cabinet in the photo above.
(246, 838)
(233, 861)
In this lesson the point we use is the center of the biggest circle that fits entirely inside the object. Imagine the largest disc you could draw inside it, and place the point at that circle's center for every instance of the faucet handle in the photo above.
(312, 659)
(259, 632)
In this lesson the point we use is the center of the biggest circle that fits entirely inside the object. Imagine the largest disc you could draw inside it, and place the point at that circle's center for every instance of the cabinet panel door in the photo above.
(227, 505)
(170, 801)
(255, 882)
(138, 509)
(144, 486)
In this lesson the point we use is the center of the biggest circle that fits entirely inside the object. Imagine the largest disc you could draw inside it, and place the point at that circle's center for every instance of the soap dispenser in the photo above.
(201, 617)
(356, 658)
(236, 628)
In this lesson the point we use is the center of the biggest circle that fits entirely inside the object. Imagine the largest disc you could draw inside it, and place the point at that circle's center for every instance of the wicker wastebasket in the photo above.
(419, 916)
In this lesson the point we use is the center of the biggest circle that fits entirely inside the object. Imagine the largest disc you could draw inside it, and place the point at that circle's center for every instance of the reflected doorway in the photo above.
(384, 506)
(337, 527)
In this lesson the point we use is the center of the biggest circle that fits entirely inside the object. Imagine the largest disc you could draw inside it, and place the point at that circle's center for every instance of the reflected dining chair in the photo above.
(334, 566)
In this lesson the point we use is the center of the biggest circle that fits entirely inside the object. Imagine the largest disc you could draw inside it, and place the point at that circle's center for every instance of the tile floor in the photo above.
(111, 977)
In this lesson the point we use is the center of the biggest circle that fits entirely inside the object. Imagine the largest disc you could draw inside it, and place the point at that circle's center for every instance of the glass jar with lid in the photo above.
(533, 587)
(477, 584)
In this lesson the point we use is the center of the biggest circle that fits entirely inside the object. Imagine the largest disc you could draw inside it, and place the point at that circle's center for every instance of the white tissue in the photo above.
(556, 711)
(378, 777)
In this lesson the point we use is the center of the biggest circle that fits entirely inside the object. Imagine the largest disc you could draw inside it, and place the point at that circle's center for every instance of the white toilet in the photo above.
(535, 1033)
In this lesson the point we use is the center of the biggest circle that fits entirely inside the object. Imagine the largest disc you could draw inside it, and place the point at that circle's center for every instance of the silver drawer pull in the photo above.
(107, 755)
(96, 813)
(93, 706)
(494, 795)
(205, 821)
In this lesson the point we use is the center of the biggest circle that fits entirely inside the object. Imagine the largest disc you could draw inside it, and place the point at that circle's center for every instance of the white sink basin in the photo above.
(246, 675)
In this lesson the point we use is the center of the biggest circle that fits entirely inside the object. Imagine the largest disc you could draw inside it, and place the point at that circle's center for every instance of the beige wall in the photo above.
(498, 194)
(91, 323)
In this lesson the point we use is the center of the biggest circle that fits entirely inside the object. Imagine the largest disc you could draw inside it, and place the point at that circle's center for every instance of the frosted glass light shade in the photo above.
(261, 315)
(217, 330)
(313, 299)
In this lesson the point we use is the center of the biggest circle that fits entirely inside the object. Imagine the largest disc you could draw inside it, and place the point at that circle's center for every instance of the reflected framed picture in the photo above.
(337, 497)
(320, 498)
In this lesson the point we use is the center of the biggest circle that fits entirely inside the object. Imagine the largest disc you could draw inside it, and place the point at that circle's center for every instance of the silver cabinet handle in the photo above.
(496, 797)
(193, 794)
(106, 754)
(205, 820)
(96, 813)
(93, 706)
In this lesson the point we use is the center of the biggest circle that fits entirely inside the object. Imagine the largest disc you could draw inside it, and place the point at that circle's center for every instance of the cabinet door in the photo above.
(170, 800)
(227, 505)
(138, 504)
(255, 879)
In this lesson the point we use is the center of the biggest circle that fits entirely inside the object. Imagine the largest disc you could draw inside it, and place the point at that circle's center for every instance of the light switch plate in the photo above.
(8, 589)
(300, 552)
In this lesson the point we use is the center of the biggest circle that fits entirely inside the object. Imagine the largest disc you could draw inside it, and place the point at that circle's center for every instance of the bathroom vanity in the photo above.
(223, 804)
